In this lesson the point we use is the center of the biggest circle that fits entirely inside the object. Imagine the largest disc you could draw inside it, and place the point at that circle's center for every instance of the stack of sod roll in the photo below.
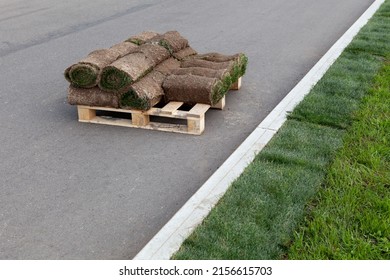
(150, 68)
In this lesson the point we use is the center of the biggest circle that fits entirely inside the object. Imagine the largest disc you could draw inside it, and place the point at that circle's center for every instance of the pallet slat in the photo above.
(171, 107)
(198, 110)
(179, 128)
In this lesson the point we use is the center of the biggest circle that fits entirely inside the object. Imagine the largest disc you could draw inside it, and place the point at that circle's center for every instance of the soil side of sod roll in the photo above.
(192, 89)
(123, 72)
(92, 97)
(120, 74)
(201, 71)
(123, 48)
(155, 53)
(221, 74)
(227, 65)
(145, 93)
(240, 61)
(171, 40)
(217, 57)
(184, 53)
(142, 37)
(167, 66)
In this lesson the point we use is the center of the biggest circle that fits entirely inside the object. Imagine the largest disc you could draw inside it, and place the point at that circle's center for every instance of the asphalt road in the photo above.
(81, 191)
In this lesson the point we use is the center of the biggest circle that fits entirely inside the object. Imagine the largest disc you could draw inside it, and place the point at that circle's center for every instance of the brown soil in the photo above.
(124, 48)
(228, 65)
(199, 71)
(167, 66)
(155, 53)
(184, 53)
(92, 97)
(217, 57)
(145, 93)
(190, 89)
(141, 38)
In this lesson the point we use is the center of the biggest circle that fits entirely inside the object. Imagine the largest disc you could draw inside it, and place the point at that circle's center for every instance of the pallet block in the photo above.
(236, 85)
(221, 104)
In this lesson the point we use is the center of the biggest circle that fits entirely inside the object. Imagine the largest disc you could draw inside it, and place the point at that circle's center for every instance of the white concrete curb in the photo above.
(169, 239)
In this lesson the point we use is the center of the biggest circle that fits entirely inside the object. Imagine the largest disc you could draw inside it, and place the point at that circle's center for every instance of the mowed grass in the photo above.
(351, 217)
(255, 218)
(265, 213)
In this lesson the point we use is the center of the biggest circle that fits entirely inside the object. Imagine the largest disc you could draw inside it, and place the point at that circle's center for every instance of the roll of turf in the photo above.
(240, 62)
(119, 75)
(192, 89)
(142, 37)
(86, 72)
(221, 74)
(171, 40)
(167, 66)
(92, 97)
(184, 53)
(145, 93)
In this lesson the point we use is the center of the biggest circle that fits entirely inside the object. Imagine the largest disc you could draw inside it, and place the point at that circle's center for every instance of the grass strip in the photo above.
(257, 216)
(351, 217)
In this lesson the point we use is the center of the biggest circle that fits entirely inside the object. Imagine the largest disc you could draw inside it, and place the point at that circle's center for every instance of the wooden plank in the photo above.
(171, 107)
(178, 128)
(176, 115)
(111, 121)
(198, 110)
(106, 109)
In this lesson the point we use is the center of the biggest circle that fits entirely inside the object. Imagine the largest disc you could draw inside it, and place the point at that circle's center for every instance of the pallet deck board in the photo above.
(171, 107)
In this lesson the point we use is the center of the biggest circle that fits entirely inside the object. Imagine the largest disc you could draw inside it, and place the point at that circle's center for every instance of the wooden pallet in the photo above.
(195, 117)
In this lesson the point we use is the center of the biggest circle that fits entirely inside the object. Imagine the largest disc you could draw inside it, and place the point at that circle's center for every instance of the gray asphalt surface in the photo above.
(81, 191)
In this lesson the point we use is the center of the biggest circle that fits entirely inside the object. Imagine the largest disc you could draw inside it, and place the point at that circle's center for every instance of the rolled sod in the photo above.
(227, 65)
(154, 52)
(167, 66)
(124, 48)
(192, 89)
(240, 62)
(86, 72)
(141, 38)
(92, 97)
(184, 53)
(125, 71)
(82, 75)
(221, 74)
(200, 71)
(171, 40)
(217, 57)
(145, 93)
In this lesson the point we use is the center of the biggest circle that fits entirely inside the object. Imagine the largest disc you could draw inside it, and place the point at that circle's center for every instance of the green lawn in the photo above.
(351, 217)
(270, 211)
